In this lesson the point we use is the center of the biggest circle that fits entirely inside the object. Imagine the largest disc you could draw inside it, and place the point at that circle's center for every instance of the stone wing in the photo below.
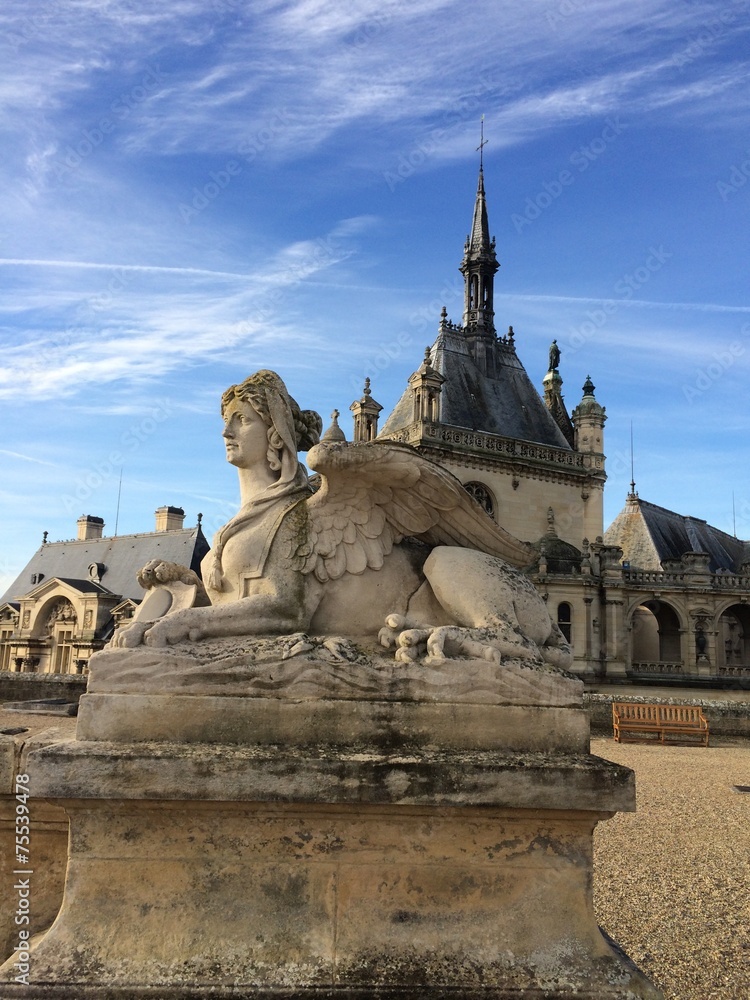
(375, 494)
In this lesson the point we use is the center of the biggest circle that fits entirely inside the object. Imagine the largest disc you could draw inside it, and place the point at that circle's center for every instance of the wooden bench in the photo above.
(637, 723)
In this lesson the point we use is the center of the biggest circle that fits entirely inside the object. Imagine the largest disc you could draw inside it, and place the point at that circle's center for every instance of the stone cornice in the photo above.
(500, 452)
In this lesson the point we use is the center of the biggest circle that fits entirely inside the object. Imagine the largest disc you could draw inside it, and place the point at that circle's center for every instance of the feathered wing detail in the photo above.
(375, 494)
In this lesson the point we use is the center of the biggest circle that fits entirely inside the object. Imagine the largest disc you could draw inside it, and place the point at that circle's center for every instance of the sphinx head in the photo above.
(262, 402)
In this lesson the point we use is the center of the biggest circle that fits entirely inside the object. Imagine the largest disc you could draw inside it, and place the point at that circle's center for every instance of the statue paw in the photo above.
(130, 637)
(172, 629)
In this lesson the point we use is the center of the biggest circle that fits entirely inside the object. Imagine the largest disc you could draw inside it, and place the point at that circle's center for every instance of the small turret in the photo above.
(426, 384)
(366, 412)
(588, 420)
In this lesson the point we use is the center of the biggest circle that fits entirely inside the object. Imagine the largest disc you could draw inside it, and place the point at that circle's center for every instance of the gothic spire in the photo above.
(480, 227)
(478, 267)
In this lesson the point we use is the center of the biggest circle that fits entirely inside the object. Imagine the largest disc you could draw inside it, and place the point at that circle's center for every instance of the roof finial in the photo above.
(44, 537)
(482, 143)
(632, 495)
(367, 390)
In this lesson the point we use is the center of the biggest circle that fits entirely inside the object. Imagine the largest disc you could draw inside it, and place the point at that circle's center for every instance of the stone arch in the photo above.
(733, 636)
(56, 608)
(656, 628)
(55, 629)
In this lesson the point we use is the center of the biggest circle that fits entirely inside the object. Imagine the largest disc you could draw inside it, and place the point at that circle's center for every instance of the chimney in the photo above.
(169, 518)
(89, 527)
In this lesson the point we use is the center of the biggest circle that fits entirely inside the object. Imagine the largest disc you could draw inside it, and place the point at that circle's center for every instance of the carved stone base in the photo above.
(249, 692)
(242, 872)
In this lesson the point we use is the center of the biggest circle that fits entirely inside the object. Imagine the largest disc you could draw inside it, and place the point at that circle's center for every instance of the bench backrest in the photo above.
(627, 711)
(681, 715)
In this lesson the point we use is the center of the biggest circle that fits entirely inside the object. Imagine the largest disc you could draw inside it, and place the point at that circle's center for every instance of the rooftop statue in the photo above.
(390, 546)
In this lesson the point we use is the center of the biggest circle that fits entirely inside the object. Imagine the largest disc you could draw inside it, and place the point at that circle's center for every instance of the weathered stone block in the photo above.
(225, 871)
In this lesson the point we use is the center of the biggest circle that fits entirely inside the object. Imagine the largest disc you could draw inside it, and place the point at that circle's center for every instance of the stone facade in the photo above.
(69, 599)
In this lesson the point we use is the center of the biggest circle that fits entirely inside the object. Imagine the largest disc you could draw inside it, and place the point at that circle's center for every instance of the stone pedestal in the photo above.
(372, 867)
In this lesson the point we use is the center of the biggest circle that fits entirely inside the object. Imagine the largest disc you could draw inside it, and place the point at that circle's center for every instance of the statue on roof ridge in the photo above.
(391, 546)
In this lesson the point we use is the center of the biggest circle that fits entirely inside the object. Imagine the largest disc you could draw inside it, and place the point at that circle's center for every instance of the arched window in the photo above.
(482, 496)
(565, 619)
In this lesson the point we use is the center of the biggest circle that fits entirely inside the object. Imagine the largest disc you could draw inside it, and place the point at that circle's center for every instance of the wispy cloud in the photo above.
(645, 303)
(141, 333)
(28, 458)
(145, 268)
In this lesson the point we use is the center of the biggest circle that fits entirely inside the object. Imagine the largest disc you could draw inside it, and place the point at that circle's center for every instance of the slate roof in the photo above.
(649, 534)
(507, 404)
(122, 555)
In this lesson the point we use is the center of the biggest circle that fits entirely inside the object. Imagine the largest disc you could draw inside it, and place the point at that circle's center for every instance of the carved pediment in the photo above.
(61, 612)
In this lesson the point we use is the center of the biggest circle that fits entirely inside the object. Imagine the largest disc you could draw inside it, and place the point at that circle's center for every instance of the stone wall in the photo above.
(39, 687)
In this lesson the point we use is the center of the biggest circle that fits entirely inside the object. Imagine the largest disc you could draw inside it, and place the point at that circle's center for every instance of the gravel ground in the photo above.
(672, 881)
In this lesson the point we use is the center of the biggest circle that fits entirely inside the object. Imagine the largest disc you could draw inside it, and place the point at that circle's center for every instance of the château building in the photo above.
(657, 597)
(68, 600)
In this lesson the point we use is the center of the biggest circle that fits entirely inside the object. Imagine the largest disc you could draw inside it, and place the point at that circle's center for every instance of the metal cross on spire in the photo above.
(482, 143)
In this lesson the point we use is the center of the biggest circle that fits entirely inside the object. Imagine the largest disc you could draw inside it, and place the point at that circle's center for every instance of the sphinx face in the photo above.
(245, 436)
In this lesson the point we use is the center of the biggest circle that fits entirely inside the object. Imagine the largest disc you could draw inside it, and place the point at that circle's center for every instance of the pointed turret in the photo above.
(478, 267)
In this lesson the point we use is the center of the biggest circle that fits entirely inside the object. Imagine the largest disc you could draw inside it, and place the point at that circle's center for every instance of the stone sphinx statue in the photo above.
(389, 547)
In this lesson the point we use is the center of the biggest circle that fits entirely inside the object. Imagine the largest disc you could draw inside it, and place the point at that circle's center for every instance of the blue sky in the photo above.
(195, 190)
